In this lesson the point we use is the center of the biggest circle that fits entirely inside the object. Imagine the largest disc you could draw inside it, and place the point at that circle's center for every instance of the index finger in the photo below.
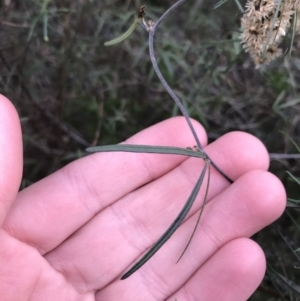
(11, 155)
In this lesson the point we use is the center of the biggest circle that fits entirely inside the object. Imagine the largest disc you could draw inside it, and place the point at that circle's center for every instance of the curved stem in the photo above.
(162, 79)
(170, 91)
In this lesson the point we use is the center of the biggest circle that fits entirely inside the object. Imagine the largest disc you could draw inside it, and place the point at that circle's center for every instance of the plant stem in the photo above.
(170, 91)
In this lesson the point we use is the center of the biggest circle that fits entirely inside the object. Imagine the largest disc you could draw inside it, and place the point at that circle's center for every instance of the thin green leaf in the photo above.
(125, 35)
(128, 2)
(32, 27)
(293, 201)
(286, 242)
(270, 272)
(293, 220)
(180, 62)
(219, 3)
(239, 5)
(41, 15)
(294, 143)
(293, 177)
(45, 27)
(278, 100)
(207, 162)
(291, 205)
(275, 106)
(139, 54)
(293, 32)
(290, 103)
(146, 149)
(166, 60)
(170, 231)
(291, 284)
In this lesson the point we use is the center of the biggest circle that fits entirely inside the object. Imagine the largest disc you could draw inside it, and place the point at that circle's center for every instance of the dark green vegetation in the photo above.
(72, 92)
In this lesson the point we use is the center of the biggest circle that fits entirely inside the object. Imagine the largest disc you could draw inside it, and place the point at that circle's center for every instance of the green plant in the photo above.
(151, 28)
(72, 92)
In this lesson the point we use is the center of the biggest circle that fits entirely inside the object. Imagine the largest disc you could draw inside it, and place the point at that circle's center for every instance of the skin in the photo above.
(73, 234)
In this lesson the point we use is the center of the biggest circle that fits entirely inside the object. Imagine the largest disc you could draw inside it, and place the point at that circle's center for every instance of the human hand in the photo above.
(73, 234)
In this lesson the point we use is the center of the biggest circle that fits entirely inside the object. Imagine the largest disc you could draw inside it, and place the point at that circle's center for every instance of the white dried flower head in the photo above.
(271, 53)
(264, 24)
(297, 29)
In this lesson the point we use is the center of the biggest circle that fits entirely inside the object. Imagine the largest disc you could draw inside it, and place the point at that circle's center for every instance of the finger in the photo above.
(134, 223)
(252, 202)
(66, 200)
(25, 275)
(232, 273)
(11, 155)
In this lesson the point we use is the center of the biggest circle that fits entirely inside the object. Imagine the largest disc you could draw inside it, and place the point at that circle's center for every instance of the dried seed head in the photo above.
(264, 26)
(271, 53)
(142, 12)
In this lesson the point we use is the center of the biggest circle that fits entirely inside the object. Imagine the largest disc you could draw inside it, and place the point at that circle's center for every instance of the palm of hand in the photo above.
(72, 235)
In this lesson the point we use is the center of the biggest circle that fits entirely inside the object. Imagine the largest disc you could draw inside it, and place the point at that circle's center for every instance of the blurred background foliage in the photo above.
(72, 92)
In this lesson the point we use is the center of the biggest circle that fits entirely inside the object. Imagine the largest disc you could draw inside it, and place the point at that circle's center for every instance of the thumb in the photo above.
(11, 161)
